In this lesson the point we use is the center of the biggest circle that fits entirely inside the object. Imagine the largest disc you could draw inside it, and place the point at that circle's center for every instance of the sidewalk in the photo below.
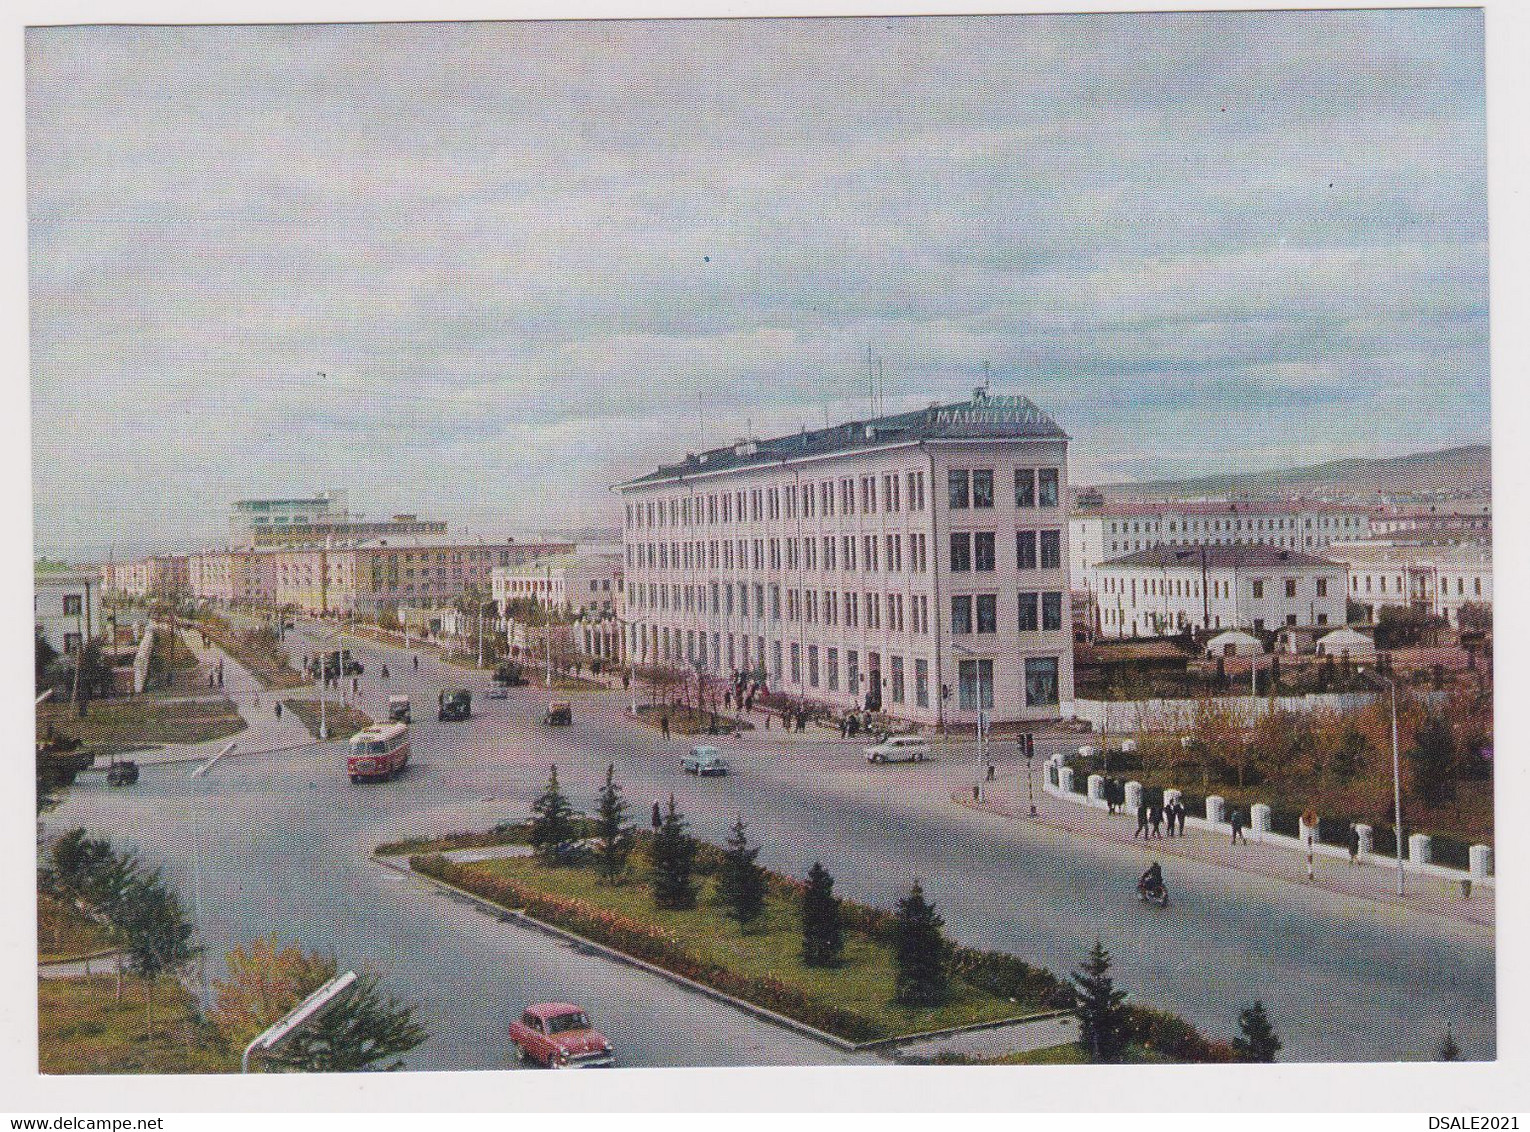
(263, 732)
(1426, 894)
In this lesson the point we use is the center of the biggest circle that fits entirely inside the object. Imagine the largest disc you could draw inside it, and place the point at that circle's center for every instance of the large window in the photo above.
(961, 553)
(975, 685)
(1028, 615)
(1025, 550)
(1051, 611)
(1025, 487)
(812, 666)
(831, 666)
(921, 683)
(961, 614)
(982, 551)
(71, 605)
(960, 496)
(988, 613)
(1051, 550)
(1041, 681)
(982, 488)
(897, 679)
(1046, 487)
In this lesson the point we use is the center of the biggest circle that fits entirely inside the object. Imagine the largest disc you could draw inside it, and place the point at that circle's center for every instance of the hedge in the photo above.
(1173, 1037)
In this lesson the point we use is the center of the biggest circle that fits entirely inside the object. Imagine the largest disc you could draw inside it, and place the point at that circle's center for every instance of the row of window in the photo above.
(889, 492)
(974, 550)
(903, 612)
(979, 613)
(873, 553)
(1203, 525)
(1354, 584)
(973, 487)
(835, 669)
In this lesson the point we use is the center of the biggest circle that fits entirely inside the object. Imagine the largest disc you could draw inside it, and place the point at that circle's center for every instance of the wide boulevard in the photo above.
(281, 843)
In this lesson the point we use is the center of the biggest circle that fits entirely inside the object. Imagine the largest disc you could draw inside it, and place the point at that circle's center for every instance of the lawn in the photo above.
(63, 933)
(862, 985)
(117, 725)
(257, 651)
(82, 1028)
(343, 721)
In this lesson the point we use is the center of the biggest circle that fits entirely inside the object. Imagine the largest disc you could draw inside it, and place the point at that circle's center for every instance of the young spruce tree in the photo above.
(1449, 1050)
(823, 939)
(741, 883)
(1256, 1040)
(612, 829)
(552, 823)
(674, 854)
(920, 952)
(1102, 1020)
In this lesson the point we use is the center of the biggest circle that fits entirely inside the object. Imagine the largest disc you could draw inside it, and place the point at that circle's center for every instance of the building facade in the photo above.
(1434, 579)
(1166, 590)
(590, 584)
(158, 575)
(66, 607)
(321, 521)
(869, 565)
(1118, 529)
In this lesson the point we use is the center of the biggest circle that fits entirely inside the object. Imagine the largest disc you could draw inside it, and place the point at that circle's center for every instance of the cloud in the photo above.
(534, 259)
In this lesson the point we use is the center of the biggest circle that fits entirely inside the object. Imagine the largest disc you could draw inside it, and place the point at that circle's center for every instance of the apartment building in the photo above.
(1166, 589)
(1435, 579)
(321, 521)
(1116, 529)
(158, 575)
(572, 583)
(66, 607)
(876, 564)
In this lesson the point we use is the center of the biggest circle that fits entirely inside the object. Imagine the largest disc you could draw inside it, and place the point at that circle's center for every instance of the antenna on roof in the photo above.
(881, 389)
(871, 379)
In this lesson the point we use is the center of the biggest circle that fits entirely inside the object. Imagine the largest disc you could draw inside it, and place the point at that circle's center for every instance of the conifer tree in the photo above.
(1102, 1020)
(1256, 1040)
(674, 855)
(552, 823)
(823, 939)
(612, 828)
(1449, 1050)
(742, 882)
(920, 951)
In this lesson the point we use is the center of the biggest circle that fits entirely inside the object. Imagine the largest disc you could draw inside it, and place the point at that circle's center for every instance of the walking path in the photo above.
(1021, 1037)
(1424, 893)
(263, 732)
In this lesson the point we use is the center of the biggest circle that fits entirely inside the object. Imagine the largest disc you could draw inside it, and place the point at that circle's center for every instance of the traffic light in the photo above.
(1028, 744)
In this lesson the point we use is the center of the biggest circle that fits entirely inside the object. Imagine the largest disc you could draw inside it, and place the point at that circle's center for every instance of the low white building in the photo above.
(1234, 642)
(570, 583)
(1167, 589)
(1435, 579)
(66, 606)
(1347, 642)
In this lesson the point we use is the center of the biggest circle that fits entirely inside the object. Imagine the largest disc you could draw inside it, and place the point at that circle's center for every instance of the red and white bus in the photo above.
(378, 751)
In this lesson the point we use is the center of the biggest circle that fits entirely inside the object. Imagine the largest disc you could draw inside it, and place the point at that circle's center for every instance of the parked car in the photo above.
(400, 710)
(510, 674)
(560, 713)
(559, 1036)
(704, 760)
(122, 772)
(900, 749)
(455, 705)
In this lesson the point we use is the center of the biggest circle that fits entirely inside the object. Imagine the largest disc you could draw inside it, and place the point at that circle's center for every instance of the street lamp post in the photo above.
(1397, 826)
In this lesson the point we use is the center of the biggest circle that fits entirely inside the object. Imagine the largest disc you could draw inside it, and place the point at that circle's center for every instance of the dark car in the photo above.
(455, 706)
(122, 772)
(560, 713)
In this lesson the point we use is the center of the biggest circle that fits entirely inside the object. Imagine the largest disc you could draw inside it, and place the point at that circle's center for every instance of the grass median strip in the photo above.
(343, 721)
(853, 1000)
(114, 726)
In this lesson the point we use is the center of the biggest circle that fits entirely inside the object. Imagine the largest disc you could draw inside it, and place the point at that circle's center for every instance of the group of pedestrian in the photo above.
(1152, 815)
(215, 675)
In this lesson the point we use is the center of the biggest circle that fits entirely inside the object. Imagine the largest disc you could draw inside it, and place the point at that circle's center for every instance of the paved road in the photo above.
(1343, 979)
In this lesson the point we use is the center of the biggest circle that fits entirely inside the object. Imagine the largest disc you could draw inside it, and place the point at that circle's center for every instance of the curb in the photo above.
(182, 760)
(462, 895)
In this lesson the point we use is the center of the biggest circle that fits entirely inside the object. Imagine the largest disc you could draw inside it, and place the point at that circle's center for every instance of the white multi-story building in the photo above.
(1436, 579)
(570, 583)
(1099, 534)
(868, 565)
(1166, 589)
(66, 606)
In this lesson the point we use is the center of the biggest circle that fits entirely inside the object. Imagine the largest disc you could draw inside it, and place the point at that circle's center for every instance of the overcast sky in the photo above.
(536, 259)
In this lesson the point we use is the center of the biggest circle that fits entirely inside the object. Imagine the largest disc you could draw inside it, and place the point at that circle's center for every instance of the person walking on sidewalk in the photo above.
(278, 709)
(1168, 815)
(1156, 814)
(1354, 845)
(1235, 819)
(1179, 811)
(1142, 820)
(417, 663)
(664, 725)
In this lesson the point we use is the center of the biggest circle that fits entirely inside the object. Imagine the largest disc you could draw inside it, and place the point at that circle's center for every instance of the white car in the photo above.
(704, 761)
(900, 749)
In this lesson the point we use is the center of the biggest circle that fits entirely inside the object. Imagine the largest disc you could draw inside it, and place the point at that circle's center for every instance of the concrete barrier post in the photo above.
(1215, 805)
(1065, 778)
(1259, 819)
(1133, 796)
(1367, 840)
(1481, 857)
(1097, 790)
(1418, 849)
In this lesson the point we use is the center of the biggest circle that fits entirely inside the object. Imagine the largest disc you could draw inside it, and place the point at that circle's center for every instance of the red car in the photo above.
(559, 1036)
